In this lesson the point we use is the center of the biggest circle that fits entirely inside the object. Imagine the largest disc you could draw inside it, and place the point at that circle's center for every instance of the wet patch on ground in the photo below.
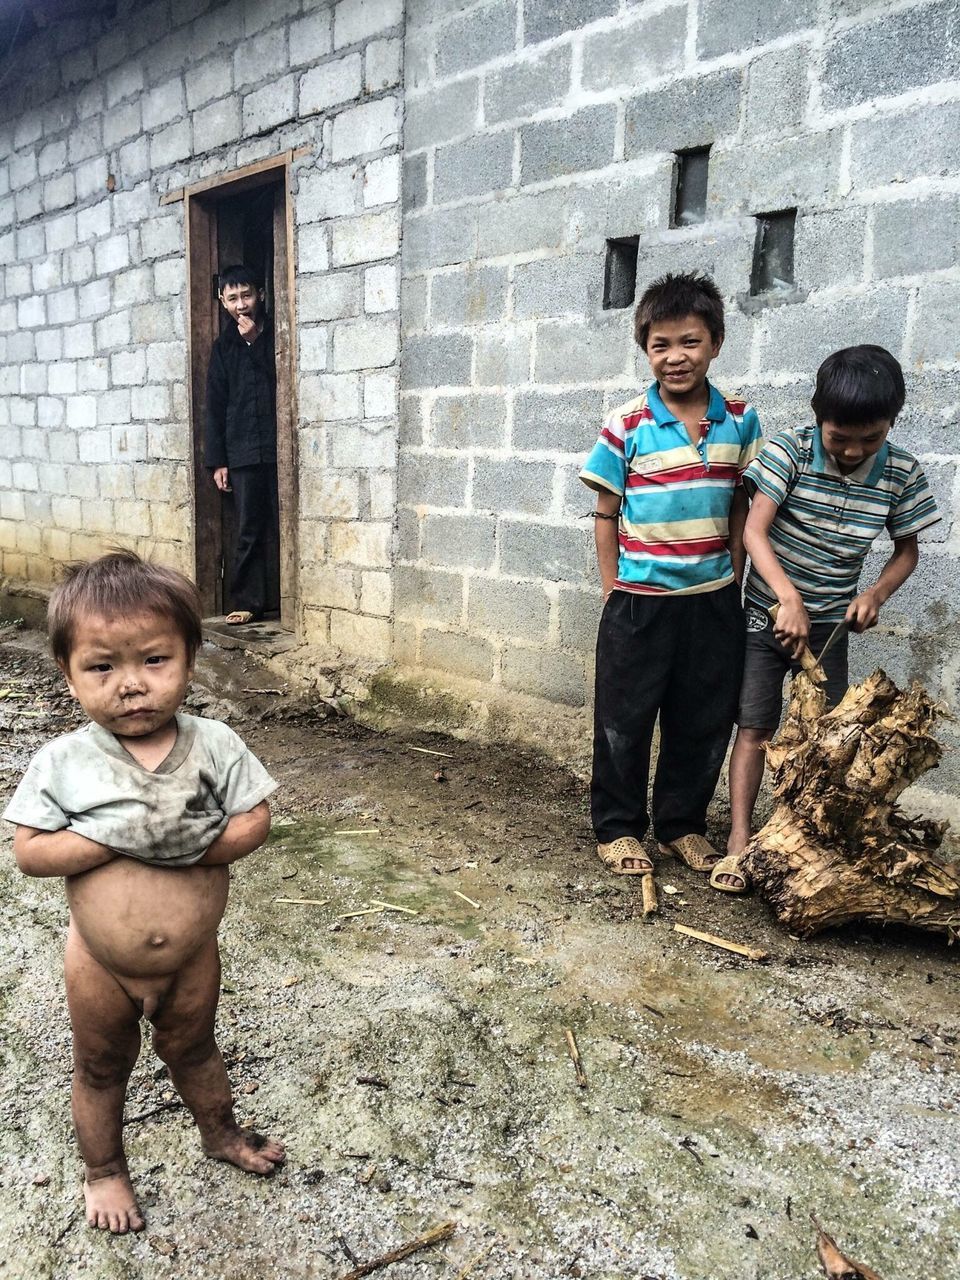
(416, 1064)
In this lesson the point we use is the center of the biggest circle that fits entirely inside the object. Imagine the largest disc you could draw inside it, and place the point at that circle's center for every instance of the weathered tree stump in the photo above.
(837, 847)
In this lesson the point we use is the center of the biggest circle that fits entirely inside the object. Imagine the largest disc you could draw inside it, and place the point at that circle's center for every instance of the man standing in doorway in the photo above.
(240, 447)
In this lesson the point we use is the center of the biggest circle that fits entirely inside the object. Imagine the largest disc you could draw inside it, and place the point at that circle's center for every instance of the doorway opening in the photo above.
(244, 217)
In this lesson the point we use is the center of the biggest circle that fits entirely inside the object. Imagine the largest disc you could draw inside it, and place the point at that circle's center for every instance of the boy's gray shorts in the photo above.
(767, 662)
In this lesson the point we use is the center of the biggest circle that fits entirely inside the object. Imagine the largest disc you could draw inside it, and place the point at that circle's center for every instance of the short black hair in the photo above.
(115, 586)
(239, 274)
(858, 385)
(671, 297)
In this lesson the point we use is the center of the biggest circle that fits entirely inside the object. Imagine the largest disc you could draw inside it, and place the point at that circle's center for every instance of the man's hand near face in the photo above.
(248, 328)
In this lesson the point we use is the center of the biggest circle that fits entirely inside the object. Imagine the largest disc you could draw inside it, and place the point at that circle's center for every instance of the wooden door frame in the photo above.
(203, 326)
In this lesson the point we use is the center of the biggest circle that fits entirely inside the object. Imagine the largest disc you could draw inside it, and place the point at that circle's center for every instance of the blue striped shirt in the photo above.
(827, 521)
(676, 494)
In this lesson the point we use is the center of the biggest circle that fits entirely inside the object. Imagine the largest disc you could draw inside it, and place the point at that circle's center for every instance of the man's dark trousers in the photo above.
(255, 500)
(680, 657)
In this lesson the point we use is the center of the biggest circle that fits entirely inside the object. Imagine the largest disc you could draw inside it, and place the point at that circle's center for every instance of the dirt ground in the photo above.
(415, 1061)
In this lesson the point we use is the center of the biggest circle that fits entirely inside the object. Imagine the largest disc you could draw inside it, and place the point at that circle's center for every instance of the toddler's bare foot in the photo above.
(111, 1204)
(251, 1151)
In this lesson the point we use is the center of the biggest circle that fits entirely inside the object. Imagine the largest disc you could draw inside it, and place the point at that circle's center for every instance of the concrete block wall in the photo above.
(536, 131)
(441, 518)
(112, 113)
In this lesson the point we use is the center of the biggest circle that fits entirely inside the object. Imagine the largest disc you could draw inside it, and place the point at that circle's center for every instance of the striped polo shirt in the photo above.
(676, 495)
(827, 521)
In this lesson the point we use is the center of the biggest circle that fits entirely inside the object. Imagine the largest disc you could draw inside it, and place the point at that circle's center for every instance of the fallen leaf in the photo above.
(292, 981)
(41, 1180)
(162, 1245)
(837, 1265)
(670, 889)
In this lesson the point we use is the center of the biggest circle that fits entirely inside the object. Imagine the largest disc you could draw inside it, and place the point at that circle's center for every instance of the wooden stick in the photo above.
(305, 902)
(466, 899)
(649, 888)
(363, 831)
(462, 1275)
(807, 657)
(391, 906)
(173, 1105)
(367, 911)
(427, 752)
(434, 1236)
(575, 1058)
(752, 953)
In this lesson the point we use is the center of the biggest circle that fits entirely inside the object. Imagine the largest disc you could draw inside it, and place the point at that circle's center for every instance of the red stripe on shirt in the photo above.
(687, 547)
(643, 588)
(632, 420)
(678, 475)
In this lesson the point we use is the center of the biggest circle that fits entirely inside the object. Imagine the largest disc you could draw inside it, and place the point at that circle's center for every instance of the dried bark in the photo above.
(837, 847)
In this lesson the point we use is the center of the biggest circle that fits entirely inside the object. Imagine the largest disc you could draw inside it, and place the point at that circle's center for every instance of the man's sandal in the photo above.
(730, 866)
(625, 857)
(239, 617)
(695, 850)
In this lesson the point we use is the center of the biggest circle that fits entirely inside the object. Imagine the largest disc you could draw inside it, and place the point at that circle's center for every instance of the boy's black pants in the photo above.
(680, 657)
(253, 583)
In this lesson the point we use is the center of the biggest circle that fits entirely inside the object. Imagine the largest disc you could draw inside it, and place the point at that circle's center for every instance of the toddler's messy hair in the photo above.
(121, 584)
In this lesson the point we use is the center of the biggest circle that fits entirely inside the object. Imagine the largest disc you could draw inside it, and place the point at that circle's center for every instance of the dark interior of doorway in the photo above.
(245, 235)
(228, 219)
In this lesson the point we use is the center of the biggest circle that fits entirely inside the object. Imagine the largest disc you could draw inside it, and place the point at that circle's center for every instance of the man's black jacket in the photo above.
(241, 401)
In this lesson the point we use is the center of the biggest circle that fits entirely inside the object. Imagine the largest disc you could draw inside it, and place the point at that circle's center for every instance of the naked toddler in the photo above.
(141, 811)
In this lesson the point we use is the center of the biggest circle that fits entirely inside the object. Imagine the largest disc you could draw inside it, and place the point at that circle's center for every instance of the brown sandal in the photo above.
(730, 866)
(695, 850)
(624, 849)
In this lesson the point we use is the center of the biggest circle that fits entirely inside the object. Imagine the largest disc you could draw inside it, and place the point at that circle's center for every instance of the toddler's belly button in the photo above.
(158, 941)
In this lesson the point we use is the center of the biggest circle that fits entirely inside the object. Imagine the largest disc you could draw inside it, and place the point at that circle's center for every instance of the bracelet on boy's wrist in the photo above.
(603, 515)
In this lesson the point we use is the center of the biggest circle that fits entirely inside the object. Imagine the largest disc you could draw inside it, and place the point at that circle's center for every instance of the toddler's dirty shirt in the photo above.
(87, 782)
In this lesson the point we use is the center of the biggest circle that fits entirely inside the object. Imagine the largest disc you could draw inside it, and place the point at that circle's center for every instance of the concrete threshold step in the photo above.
(266, 638)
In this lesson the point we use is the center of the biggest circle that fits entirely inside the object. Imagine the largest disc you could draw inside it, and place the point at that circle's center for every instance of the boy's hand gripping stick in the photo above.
(807, 660)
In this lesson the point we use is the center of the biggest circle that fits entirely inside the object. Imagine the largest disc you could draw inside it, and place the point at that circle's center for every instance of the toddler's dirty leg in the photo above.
(106, 1041)
(184, 1039)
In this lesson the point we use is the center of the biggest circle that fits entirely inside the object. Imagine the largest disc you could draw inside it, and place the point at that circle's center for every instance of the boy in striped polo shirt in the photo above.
(669, 534)
(820, 496)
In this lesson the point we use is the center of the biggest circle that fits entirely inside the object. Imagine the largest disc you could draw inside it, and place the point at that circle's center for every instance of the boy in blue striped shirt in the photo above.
(670, 513)
(820, 496)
